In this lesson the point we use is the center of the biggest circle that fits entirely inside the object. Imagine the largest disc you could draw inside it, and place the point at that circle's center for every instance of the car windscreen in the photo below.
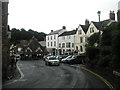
(68, 57)
(52, 58)
(73, 56)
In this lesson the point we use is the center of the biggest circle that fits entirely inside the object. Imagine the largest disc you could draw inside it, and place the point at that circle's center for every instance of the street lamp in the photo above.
(99, 13)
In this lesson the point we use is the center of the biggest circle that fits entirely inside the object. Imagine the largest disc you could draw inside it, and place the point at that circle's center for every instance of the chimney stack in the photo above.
(112, 15)
(64, 27)
(86, 22)
(51, 30)
(118, 12)
(118, 15)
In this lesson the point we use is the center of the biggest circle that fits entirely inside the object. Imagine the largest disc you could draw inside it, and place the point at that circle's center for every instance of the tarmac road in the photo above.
(35, 74)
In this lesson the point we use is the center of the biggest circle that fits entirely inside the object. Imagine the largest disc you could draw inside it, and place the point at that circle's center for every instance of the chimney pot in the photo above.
(112, 15)
(64, 27)
(86, 22)
(118, 15)
(51, 30)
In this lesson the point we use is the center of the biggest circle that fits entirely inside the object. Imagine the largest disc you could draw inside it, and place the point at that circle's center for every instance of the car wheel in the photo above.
(46, 63)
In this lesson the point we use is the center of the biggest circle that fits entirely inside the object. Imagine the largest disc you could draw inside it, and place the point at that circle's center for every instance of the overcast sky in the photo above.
(47, 15)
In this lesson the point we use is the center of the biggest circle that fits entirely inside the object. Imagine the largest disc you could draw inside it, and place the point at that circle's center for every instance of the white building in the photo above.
(52, 40)
(66, 42)
(96, 26)
(80, 39)
(74, 42)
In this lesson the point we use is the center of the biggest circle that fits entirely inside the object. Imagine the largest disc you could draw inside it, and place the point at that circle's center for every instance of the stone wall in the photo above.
(0, 44)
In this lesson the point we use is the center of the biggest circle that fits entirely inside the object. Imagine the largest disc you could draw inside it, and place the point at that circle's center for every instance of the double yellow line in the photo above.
(105, 81)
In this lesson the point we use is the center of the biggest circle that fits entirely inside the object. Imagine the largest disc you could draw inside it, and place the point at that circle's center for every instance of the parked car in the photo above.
(52, 60)
(18, 57)
(60, 57)
(75, 60)
(65, 60)
(45, 57)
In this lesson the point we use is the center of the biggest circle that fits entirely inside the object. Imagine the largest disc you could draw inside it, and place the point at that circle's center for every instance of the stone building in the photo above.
(0, 44)
(5, 40)
(118, 12)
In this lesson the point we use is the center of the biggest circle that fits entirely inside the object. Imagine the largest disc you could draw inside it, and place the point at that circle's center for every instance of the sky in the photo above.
(47, 15)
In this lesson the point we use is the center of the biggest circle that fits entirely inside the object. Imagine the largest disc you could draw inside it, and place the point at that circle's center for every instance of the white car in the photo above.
(52, 60)
(18, 57)
(64, 60)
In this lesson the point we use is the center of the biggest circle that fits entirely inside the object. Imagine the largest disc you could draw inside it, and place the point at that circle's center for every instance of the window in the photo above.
(51, 37)
(86, 39)
(81, 48)
(63, 45)
(54, 43)
(63, 37)
(48, 43)
(81, 39)
(51, 43)
(54, 36)
(80, 32)
(68, 50)
(48, 37)
(77, 48)
(68, 45)
(68, 37)
(91, 29)
(63, 51)
(59, 45)
(72, 44)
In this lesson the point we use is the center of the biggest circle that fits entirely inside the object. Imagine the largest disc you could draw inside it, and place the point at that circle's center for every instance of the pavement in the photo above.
(108, 75)
(12, 74)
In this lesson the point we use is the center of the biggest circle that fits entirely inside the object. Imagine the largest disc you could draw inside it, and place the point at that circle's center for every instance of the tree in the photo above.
(115, 62)
(92, 50)
(110, 47)
(93, 39)
(22, 34)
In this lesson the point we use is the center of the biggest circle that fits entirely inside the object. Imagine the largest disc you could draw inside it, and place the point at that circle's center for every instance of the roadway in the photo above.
(35, 74)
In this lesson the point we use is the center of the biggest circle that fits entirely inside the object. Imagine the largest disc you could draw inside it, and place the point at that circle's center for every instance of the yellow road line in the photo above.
(105, 81)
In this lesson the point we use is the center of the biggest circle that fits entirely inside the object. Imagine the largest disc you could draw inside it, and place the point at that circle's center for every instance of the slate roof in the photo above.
(85, 28)
(42, 43)
(66, 33)
(55, 32)
(34, 45)
(102, 23)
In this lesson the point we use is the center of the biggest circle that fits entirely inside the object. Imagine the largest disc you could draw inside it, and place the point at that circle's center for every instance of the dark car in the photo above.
(75, 60)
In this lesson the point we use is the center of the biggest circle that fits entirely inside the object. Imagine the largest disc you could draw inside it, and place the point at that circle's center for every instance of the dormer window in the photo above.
(28, 50)
(91, 29)
(80, 32)
(38, 49)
